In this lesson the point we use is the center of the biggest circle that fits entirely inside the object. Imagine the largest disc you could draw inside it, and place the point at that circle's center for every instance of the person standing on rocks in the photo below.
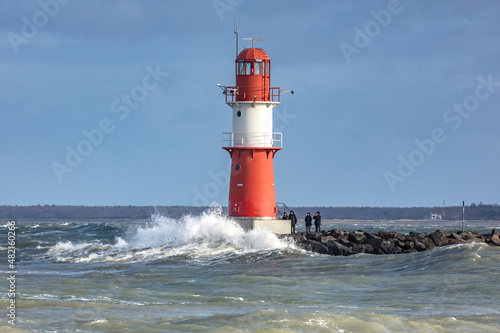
(317, 221)
(293, 220)
(284, 217)
(308, 220)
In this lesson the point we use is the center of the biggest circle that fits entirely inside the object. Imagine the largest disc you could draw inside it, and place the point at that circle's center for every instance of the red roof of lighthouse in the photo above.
(253, 53)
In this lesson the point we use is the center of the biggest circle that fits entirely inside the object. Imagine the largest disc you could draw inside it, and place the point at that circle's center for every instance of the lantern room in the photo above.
(253, 75)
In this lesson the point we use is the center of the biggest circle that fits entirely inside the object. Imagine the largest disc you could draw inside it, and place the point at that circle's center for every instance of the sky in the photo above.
(396, 103)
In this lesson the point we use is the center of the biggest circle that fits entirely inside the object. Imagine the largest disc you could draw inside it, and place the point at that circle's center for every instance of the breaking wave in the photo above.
(211, 236)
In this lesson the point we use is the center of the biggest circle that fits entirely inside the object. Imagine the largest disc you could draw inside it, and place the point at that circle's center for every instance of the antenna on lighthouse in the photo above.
(236, 33)
(260, 39)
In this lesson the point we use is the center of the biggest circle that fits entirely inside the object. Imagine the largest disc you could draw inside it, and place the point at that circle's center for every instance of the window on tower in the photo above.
(241, 68)
(249, 68)
(258, 68)
(266, 68)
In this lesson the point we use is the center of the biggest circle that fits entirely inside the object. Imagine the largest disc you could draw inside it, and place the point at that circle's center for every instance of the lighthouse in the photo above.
(252, 144)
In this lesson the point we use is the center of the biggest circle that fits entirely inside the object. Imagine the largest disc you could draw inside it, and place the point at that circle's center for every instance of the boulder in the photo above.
(414, 236)
(495, 234)
(368, 235)
(318, 237)
(439, 238)
(466, 235)
(411, 238)
(409, 245)
(389, 248)
(369, 248)
(397, 242)
(427, 242)
(337, 249)
(306, 246)
(419, 246)
(335, 233)
(343, 240)
(375, 244)
(476, 234)
(455, 241)
(387, 234)
(358, 248)
(310, 236)
(445, 233)
(494, 241)
(357, 237)
(391, 234)
(400, 237)
(325, 239)
(318, 247)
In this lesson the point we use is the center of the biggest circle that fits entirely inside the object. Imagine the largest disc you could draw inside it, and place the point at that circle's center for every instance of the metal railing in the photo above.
(252, 139)
(232, 92)
(282, 208)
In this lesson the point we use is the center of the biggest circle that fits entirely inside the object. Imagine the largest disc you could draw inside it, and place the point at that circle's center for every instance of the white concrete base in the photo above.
(275, 225)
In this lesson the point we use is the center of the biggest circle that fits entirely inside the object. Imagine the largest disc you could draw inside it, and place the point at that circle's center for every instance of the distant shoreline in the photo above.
(479, 212)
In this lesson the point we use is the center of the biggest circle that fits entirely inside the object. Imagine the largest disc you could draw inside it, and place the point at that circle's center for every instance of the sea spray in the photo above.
(210, 236)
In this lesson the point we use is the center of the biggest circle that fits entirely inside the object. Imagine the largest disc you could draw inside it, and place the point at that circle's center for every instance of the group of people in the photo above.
(308, 219)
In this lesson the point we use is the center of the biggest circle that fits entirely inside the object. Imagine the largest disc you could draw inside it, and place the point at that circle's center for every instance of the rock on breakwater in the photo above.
(341, 242)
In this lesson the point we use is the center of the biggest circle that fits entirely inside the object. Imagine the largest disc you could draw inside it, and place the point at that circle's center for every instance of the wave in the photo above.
(210, 236)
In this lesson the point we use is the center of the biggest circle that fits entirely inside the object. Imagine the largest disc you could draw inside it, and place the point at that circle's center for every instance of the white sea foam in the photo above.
(211, 235)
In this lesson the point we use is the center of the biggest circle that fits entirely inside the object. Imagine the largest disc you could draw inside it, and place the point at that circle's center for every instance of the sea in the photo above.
(205, 274)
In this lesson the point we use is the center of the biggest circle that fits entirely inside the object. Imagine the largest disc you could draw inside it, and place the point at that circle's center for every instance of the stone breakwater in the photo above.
(339, 242)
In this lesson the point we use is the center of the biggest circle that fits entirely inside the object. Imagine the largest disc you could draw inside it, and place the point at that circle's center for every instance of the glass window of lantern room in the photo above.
(241, 68)
(258, 68)
(249, 68)
(266, 68)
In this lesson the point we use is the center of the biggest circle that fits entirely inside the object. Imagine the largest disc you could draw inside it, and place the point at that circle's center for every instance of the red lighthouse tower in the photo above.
(252, 144)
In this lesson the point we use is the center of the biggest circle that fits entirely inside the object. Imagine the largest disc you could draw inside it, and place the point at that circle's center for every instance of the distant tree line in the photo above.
(95, 212)
(472, 212)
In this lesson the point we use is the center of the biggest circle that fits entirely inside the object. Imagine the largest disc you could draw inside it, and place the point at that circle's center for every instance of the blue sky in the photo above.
(395, 104)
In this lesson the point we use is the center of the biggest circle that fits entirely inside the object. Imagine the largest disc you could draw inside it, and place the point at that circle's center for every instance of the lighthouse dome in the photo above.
(252, 53)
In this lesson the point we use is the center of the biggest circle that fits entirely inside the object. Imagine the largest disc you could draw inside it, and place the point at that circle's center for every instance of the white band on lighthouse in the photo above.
(252, 125)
